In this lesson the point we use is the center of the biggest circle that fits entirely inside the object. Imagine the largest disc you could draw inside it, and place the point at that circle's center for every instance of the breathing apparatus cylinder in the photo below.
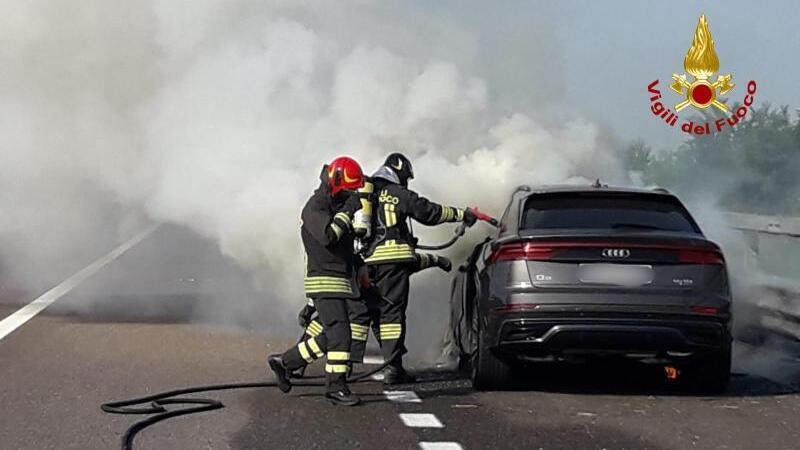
(362, 219)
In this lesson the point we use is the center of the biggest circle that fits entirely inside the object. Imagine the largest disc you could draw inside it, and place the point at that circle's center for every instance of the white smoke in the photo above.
(217, 115)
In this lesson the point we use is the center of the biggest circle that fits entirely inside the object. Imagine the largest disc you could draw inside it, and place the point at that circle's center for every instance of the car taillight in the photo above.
(522, 250)
(700, 256)
(544, 251)
(704, 309)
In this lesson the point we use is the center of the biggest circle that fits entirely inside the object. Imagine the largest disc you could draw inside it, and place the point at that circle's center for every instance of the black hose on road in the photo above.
(158, 401)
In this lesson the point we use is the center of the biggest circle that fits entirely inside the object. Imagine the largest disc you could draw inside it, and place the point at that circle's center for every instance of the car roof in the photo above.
(523, 192)
(597, 187)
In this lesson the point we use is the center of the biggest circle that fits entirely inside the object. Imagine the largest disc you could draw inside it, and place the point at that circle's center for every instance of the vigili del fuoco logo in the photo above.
(700, 90)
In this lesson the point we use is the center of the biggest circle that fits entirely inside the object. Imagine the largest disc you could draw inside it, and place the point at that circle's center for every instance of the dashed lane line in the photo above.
(421, 420)
(440, 446)
(373, 359)
(27, 312)
(402, 396)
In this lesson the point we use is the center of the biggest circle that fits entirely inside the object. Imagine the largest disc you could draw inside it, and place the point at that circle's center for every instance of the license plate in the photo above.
(617, 274)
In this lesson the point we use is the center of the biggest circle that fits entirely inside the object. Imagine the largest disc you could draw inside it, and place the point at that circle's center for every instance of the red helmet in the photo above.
(344, 173)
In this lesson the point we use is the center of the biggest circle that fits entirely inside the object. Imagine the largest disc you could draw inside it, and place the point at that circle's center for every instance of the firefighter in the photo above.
(364, 314)
(331, 268)
(394, 257)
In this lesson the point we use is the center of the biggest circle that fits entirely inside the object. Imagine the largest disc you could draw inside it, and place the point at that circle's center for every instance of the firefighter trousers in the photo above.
(392, 282)
(339, 331)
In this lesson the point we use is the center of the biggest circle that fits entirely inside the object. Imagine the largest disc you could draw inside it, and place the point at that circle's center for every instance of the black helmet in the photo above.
(401, 166)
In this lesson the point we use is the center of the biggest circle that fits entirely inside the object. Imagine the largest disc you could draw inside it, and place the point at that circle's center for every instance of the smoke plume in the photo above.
(217, 116)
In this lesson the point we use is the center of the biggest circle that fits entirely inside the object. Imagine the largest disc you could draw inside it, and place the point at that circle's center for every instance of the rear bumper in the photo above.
(532, 335)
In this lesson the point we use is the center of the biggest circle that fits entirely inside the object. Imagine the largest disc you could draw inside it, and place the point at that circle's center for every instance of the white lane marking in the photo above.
(420, 420)
(402, 396)
(440, 446)
(376, 360)
(33, 308)
(369, 359)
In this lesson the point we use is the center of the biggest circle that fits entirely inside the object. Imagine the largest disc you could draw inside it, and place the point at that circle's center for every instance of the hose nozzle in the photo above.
(484, 217)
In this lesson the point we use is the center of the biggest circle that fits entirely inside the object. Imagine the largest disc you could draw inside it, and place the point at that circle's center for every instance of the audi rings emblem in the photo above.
(616, 253)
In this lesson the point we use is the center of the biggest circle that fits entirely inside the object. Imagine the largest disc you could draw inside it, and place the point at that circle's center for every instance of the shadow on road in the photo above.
(621, 378)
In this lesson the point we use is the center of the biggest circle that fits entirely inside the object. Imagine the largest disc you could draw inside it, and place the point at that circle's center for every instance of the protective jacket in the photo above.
(328, 240)
(395, 204)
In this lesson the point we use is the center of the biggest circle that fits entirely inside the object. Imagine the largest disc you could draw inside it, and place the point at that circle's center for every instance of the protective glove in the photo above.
(443, 263)
(469, 217)
(363, 278)
(305, 316)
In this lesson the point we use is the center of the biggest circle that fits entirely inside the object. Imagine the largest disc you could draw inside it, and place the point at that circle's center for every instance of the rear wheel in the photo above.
(488, 371)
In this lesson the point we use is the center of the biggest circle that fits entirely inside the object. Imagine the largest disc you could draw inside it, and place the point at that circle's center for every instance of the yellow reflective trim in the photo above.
(337, 287)
(390, 250)
(329, 291)
(304, 352)
(390, 337)
(315, 347)
(337, 229)
(359, 327)
(402, 251)
(383, 251)
(390, 258)
(387, 214)
(326, 282)
(321, 284)
(343, 217)
(324, 290)
(326, 278)
(459, 215)
(391, 325)
(312, 333)
(316, 326)
(336, 368)
(338, 356)
(362, 337)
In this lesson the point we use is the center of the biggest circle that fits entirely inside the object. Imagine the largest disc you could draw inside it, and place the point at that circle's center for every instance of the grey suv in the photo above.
(592, 271)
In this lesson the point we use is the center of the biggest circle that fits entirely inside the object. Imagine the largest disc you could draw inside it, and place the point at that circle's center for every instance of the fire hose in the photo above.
(156, 403)
(460, 230)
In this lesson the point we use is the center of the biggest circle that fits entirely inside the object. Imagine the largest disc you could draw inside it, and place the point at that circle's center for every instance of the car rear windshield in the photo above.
(608, 212)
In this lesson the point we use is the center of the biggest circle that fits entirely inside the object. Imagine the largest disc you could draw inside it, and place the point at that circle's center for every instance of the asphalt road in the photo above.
(146, 323)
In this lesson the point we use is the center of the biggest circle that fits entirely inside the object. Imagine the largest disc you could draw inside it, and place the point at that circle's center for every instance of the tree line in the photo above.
(755, 168)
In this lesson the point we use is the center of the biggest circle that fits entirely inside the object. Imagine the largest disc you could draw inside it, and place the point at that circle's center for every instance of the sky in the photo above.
(606, 53)
(613, 50)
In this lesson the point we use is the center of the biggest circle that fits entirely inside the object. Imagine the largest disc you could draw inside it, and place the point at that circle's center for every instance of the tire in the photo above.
(490, 373)
(712, 373)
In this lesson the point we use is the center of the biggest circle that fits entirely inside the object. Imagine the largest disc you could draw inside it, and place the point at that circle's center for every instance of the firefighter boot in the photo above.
(281, 373)
(396, 374)
(343, 397)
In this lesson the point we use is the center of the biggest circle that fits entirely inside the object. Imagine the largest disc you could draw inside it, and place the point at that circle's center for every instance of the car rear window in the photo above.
(608, 212)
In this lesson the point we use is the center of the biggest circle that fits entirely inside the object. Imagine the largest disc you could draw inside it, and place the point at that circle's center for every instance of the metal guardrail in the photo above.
(785, 226)
(777, 299)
